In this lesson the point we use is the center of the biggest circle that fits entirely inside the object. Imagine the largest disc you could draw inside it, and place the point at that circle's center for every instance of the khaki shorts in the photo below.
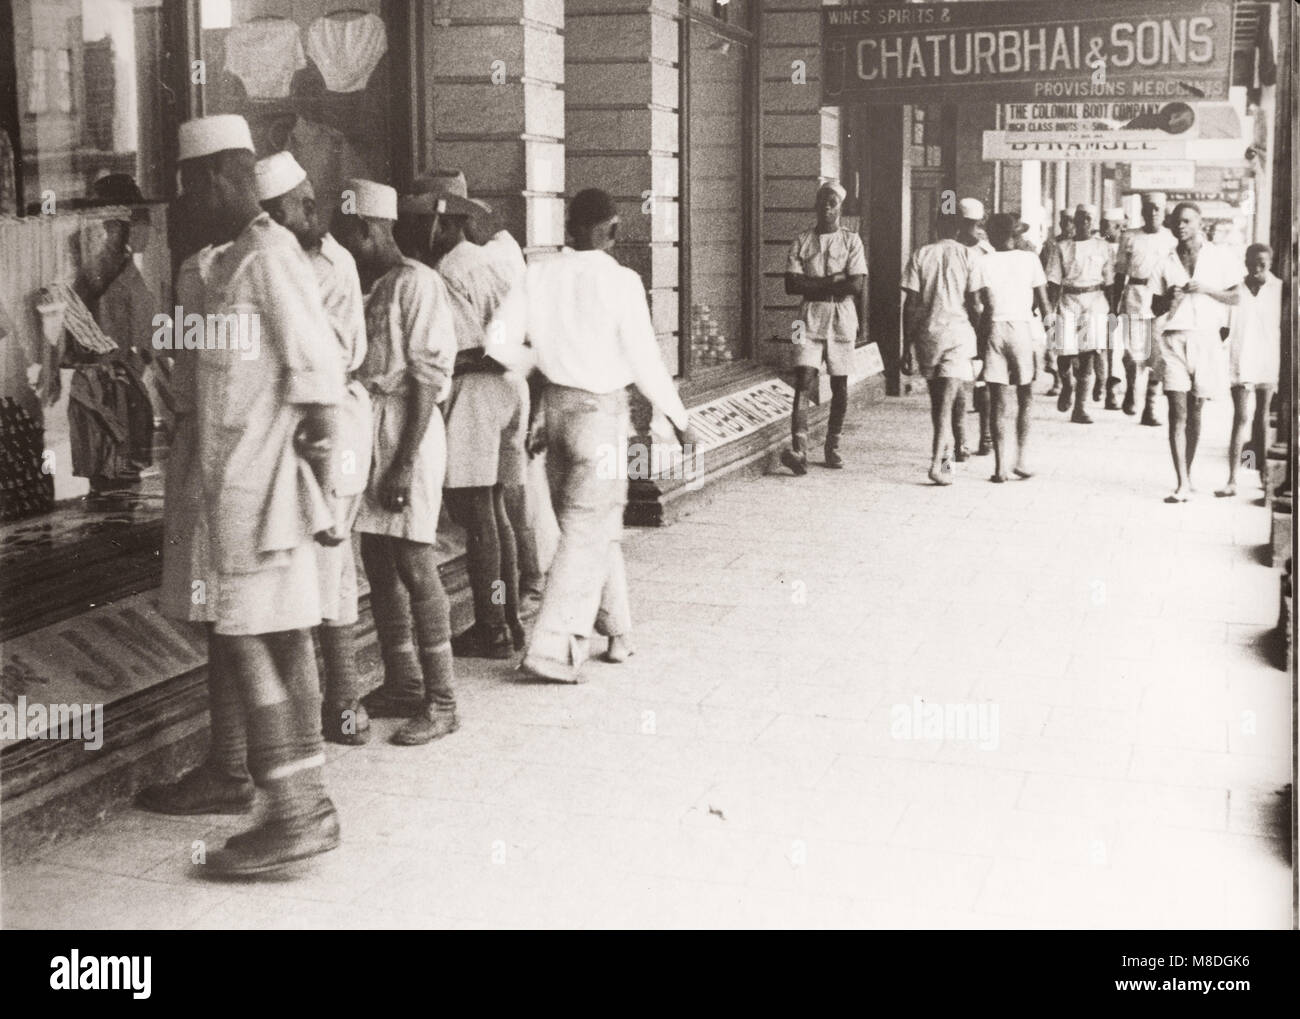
(837, 355)
(1193, 362)
(953, 363)
(1011, 356)
(487, 420)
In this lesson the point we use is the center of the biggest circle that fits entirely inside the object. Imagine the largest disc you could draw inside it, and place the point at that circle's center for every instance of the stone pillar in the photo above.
(495, 73)
(621, 105)
(801, 144)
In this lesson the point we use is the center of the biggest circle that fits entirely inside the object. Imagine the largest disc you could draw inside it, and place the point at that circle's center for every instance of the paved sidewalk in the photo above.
(750, 766)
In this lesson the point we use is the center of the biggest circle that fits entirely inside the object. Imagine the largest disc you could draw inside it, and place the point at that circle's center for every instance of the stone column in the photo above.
(801, 144)
(621, 106)
(495, 73)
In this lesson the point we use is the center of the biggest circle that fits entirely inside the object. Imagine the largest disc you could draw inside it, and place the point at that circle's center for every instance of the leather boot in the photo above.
(833, 458)
(796, 457)
(1081, 387)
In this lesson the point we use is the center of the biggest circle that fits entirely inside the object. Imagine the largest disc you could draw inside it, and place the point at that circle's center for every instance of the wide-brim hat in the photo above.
(439, 193)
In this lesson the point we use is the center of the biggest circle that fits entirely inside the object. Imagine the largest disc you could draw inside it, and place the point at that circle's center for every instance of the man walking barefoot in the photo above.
(938, 338)
(1009, 286)
(1254, 356)
(1200, 282)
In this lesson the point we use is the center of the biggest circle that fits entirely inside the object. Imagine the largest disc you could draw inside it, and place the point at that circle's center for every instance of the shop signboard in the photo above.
(1024, 51)
(1092, 146)
(1162, 176)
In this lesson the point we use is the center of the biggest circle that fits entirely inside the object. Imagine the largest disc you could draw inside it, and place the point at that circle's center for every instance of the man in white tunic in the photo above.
(287, 195)
(1079, 275)
(220, 784)
(589, 325)
(1254, 358)
(827, 267)
(1199, 282)
(411, 352)
(265, 389)
(1139, 256)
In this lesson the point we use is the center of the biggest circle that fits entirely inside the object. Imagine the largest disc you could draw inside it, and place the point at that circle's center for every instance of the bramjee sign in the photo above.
(1008, 51)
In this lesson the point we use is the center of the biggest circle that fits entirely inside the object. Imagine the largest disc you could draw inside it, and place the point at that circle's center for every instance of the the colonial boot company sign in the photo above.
(1009, 52)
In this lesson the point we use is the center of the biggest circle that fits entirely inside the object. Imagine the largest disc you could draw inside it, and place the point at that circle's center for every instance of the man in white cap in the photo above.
(287, 196)
(486, 414)
(1141, 252)
(1254, 359)
(827, 267)
(939, 334)
(1080, 272)
(1200, 283)
(588, 322)
(263, 428)
(410, 355)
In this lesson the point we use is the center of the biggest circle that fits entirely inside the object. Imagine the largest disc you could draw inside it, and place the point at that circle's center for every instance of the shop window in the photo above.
(310, 76)
(719, 140)
(90, 73)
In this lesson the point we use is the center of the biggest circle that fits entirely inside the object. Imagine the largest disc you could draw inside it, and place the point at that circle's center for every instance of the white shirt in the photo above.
(340, 290)
(589, 327)
(814, 254)
(476, 290)
(1139, 257)
(1215, 270)
(939, 274)
(1010, 278)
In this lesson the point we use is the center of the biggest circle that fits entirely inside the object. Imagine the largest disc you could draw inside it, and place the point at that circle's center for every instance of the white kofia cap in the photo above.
(278, 175)
(1158, 199)
(833, 186)
(376, 201)
(970, 208)
(203, 136)
(1115, 215)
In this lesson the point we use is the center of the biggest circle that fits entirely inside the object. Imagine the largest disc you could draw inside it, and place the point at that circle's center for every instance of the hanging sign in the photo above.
(1011, 51)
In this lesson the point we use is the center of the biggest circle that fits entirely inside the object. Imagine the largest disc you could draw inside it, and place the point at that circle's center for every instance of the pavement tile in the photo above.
(1108, 750)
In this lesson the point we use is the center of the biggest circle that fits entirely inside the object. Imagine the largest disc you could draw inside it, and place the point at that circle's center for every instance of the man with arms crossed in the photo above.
(826, 267)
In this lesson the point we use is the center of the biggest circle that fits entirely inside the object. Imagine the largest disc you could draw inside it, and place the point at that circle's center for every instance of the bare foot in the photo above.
(619, 650)
(1227, 491)
(941, 475)
(1179, 495)
(998, 479)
